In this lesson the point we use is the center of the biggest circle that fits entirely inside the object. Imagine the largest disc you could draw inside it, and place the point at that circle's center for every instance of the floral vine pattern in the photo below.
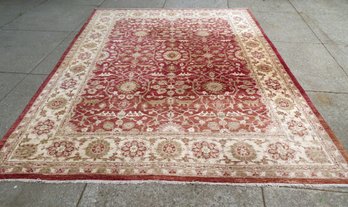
(193, 93)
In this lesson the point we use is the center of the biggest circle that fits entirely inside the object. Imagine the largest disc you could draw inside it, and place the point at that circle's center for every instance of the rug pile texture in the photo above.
(182, 95)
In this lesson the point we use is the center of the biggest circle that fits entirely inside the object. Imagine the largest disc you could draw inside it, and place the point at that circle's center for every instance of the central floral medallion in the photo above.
(203, 33)
(141, 33)
(128, 86)
(172, 55)
(214, 87)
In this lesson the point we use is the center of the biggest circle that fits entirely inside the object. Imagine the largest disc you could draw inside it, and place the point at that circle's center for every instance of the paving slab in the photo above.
(264, 6)
(14, 103)
(8, 81)
(78, 2)
(285, 26)
(330, 28)
(12, 9)
(340, 53)
(320, 6)
(20, 194)
(133, 4)
(21, 51)
(170, 195)
(334, 109)
(279, 197)
(11, 12)
(48, 64)
(196, 4)
(21, 2)
(313, 67)
(52, 16)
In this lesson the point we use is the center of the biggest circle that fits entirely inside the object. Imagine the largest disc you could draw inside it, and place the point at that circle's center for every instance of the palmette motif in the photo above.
(190, 93)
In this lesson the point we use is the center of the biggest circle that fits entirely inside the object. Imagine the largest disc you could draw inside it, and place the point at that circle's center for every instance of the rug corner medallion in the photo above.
(185, 95)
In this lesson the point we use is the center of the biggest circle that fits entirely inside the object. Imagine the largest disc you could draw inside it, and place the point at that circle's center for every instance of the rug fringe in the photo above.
(137, 182)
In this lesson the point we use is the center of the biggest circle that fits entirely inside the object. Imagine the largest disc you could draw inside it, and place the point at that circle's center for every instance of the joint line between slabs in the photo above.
(101, 3)
(316, 189)
(333, 92)
(21, 73)
(263, 197)
(34, 30)
(81, 195)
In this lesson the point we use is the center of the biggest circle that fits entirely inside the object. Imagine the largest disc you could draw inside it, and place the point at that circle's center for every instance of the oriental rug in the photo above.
(180, 95)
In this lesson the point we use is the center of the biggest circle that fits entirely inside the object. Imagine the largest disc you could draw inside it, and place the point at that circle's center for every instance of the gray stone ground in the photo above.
(311, 35)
